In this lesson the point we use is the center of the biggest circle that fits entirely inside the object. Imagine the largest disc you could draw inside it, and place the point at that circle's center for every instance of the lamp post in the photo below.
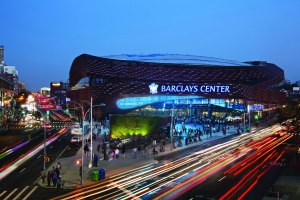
(82, 140)
(172, 124)
(83, 116)
(45, 132)
(91, 136)
(249, 116)
(91, 160)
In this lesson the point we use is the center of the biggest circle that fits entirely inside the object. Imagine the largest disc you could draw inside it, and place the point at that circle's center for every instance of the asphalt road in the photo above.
(173, 173)
(216, 185)
(26, 175)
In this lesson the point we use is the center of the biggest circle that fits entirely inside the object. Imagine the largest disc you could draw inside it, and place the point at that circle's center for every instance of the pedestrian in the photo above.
(146, 152)
(58, 166)
(95, 160)
(123, 150)
(113, 153)
(154, 151)
(59, 183)
(117, 152)
(49, 177)
(54, 178)
(134, 152)
(57, 171)
(98, 148)
(86, 149)
(43, 175)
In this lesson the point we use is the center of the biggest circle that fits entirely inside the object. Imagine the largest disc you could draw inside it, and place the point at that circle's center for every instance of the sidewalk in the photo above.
(70, 171)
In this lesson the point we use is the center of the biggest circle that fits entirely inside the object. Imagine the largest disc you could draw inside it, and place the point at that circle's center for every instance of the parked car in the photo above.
(75, 143)
(76, 139)
(76, 130)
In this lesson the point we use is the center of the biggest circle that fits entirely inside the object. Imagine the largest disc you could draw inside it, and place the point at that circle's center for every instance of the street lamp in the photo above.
(83, 116)
(91, 136)
(45, 132)
(171, 125)
(82, 142)
(249, 116)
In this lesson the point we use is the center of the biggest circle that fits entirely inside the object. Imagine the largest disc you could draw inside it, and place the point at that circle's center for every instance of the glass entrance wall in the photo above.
(193, 107)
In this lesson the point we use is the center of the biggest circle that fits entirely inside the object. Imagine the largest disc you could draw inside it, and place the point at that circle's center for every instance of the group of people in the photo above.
(114, 153)
(53, 176)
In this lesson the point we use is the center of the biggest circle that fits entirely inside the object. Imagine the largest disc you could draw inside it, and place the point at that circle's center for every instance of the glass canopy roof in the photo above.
(177, 59)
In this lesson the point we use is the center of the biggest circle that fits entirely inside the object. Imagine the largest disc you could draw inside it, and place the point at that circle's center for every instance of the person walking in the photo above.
(43, 175)
(134, 152)
(96, 160)
(117, 152)
(54, 178)
(113, 154)
(57, 171)
(58, 165)
(98, 148)
(146, 152)
(59, 183)
(49, 177)
(123, 150)
(86, 149)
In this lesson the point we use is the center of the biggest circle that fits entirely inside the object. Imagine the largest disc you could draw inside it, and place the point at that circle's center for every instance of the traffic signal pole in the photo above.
(45, 153)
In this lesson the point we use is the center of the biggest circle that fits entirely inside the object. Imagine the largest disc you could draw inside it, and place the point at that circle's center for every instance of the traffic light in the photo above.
(256, 117)
(47, 159)
(48, 112)
(78, 162)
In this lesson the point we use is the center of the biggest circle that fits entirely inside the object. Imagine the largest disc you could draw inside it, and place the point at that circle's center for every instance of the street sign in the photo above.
(257, 107)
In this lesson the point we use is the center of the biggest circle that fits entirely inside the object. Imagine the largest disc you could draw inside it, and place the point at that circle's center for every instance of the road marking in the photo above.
(222, 178)
(7, 197)
(31, 191)
(40, 156)
(3, 193)
(20, 193)
(51, 147)
(22, 170)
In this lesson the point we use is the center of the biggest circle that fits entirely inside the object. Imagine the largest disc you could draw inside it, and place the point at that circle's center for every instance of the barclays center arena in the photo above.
(184, 86)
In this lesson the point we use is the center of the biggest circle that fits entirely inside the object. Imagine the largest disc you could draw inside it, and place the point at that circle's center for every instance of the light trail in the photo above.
(7, 169)
(234, 189)
(11, 150)
(243, 181)
(142, 184)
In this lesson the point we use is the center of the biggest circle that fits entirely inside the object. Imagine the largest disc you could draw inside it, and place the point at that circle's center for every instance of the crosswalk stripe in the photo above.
(31, 191)
(3, 193)
(20, 193)
(7, 197)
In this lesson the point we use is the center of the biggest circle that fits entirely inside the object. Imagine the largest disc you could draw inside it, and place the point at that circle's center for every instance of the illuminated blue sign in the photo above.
(134, 102)
(257, 107)
(155, 88)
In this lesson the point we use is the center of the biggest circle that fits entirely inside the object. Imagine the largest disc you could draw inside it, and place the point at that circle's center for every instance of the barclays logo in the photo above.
(153, 88)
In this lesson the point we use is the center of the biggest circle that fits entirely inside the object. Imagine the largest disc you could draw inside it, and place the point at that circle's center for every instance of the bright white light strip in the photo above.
(17, 164)
(201, 153)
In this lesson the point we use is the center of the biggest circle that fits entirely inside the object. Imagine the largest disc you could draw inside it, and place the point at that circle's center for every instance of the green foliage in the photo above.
(126, 126)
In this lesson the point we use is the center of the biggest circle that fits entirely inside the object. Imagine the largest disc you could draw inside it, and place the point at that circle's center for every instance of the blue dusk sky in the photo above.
(42, 38)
